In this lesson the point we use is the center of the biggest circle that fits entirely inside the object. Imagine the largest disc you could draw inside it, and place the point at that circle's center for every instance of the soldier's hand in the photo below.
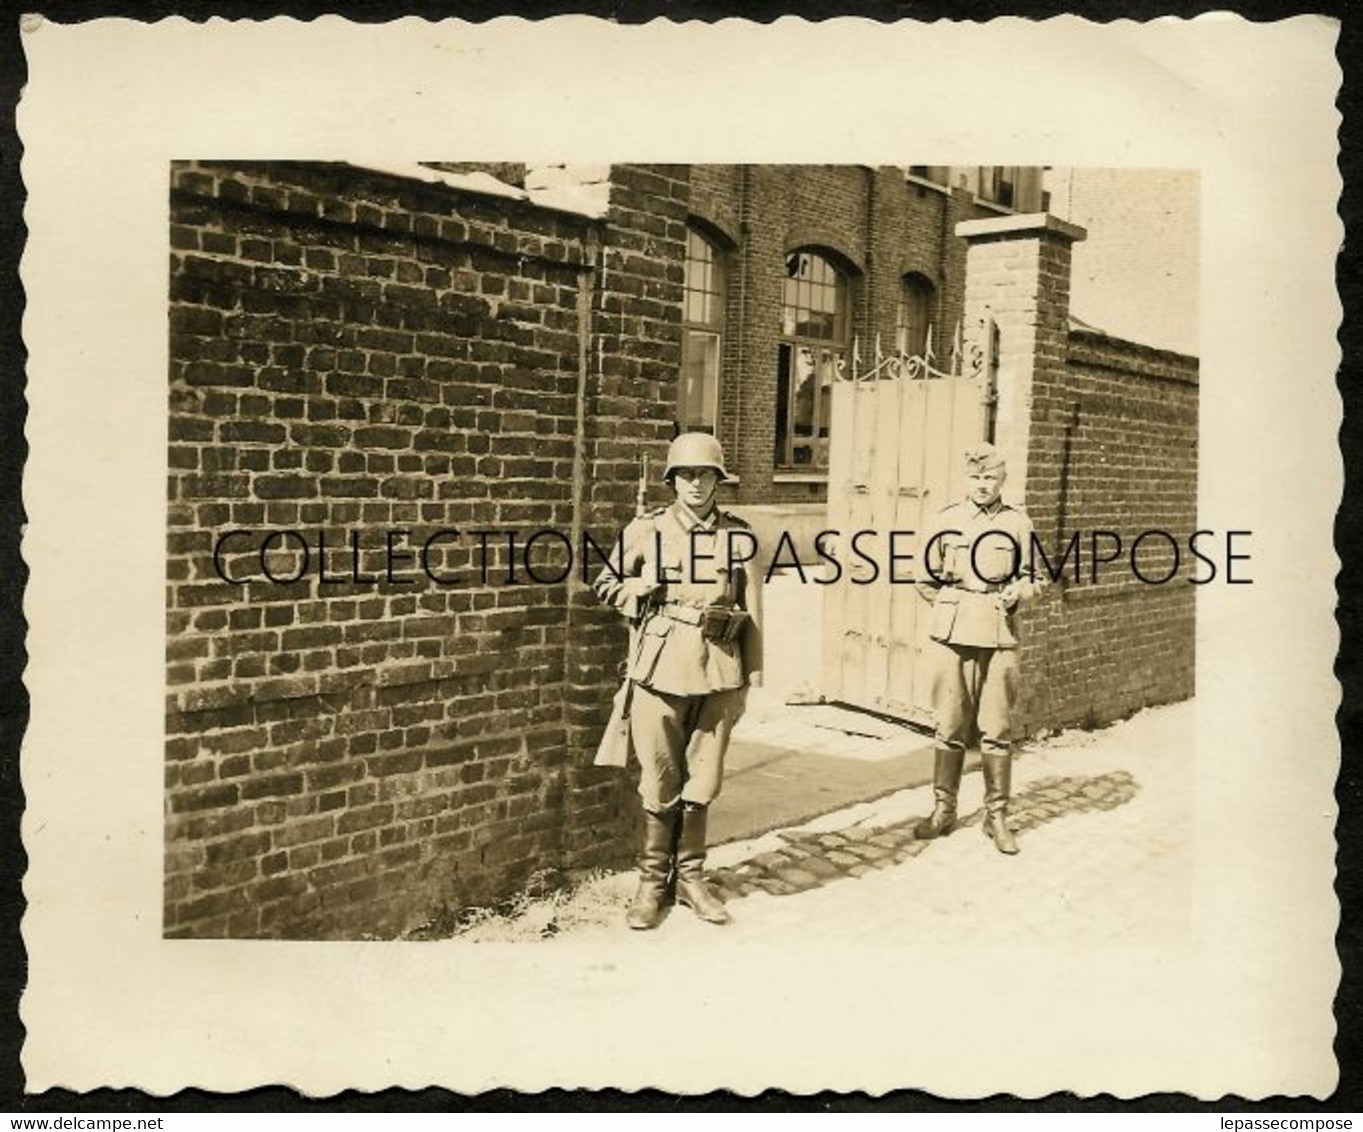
(1011, 594)
(638, 587)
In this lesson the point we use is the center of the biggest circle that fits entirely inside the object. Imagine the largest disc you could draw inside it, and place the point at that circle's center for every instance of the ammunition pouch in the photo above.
(739, 620)
(718, 621)
(723, 622)
(714, 620)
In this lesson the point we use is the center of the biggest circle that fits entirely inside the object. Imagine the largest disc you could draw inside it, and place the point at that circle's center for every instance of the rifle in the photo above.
(616, 743)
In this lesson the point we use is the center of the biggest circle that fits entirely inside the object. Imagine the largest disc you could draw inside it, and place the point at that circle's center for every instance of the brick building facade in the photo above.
(357, 351)
(888, 238)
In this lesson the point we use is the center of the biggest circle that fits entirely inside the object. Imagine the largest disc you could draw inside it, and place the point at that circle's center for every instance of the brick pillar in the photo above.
(1018, 274)
(632, 365)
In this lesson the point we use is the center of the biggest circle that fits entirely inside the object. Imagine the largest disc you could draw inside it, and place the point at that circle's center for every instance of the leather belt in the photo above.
(678, 611)
(989, 588)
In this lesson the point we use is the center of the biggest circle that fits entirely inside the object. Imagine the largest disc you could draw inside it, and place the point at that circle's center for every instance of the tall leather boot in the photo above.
(650, 901)
(692, 890)
(948, 762)
(998, 783)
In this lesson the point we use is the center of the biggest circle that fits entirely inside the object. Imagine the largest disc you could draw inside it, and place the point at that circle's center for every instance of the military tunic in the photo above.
(689, 691)
(968, 557)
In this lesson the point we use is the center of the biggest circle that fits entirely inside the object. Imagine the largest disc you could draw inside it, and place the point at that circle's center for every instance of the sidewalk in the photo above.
(788, 764)
(1103, 820)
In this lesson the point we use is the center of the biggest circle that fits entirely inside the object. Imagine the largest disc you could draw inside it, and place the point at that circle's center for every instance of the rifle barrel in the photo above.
(641, 498)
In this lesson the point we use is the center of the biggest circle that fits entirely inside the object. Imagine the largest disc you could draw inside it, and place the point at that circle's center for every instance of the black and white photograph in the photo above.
(412, 406)
(544, 580)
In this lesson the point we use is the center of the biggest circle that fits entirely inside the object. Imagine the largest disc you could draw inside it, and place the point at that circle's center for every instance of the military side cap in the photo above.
(984, 456)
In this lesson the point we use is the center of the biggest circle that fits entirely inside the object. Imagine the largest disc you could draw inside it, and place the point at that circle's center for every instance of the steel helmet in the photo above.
(695, 450)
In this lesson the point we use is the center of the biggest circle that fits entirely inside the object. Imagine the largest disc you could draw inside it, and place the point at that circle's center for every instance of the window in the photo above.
(1014, 187)
(811, 356)
(999, 184)
(702, 334)
(914, 315)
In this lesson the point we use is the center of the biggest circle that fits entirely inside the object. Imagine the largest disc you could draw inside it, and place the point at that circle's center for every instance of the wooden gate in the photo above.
(898, 431)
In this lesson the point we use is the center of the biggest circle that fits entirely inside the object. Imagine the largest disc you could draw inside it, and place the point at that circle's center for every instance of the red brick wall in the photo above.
(1113, 447)
(354, 352)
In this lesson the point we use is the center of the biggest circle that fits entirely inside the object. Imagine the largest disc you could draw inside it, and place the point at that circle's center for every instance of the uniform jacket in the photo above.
(663, 586)
(967, 606)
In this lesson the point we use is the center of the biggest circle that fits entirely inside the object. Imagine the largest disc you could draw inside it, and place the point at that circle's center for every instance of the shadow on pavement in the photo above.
(768, 787)
(810, 859)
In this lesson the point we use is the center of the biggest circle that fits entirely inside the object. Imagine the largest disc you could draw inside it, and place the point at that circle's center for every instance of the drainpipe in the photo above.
(868, 328)
(945, 333)
(586, 297)
(744, 226)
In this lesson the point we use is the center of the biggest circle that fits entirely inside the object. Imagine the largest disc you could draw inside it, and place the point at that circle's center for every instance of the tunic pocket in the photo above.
(651, 641)
(1008, 637)
(943, 615)
(978, 621)
(996, 559)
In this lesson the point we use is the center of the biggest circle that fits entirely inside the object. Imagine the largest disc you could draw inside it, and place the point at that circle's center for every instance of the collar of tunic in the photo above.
(688, 520)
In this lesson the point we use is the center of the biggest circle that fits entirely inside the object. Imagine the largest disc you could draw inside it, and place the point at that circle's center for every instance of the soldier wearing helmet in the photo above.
(686, 579)
(976, 562)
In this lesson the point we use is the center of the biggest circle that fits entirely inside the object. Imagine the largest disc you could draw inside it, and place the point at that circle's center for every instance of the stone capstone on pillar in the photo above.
(1017, 278)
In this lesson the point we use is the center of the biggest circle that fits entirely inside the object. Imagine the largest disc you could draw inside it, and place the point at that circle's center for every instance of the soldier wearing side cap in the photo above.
(977, 568)
(685, 577)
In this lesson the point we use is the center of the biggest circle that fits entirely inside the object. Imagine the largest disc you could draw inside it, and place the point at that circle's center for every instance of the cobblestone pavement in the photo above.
(1102, 818)
(809, 859)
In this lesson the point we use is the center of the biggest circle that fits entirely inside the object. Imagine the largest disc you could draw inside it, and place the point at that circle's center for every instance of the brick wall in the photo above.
(352, 353)
(1114, 448)
(1100, 434)
(634, 363)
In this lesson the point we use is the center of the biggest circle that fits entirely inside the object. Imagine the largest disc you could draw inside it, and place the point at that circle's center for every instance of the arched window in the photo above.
(702, 334)
(815, 325)
(914, 316)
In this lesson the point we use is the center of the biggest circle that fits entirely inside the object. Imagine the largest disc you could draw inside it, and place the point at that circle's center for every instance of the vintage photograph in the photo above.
(563, 550)
(560, 558)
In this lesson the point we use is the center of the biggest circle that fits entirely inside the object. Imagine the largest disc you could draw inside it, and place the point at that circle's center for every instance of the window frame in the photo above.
(838, 343)
(910, 282)
(990, 181)
(712, 329)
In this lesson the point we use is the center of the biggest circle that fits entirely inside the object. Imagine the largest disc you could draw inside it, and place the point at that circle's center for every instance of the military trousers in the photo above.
(680, 742)
(973, 690)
